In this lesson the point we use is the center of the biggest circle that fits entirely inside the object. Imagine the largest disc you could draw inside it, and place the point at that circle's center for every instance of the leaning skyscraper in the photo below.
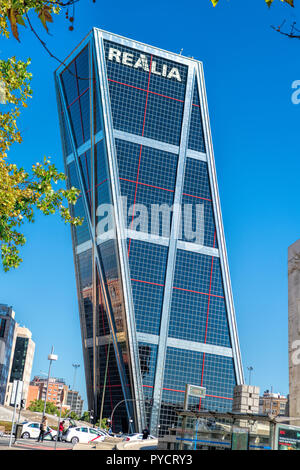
(155, 300)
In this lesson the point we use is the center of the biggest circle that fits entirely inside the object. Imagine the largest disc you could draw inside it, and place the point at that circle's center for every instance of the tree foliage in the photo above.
(103, 424)
(70, 414)
(85, 416)
(38, 406)
(21, 191)
(14, 13)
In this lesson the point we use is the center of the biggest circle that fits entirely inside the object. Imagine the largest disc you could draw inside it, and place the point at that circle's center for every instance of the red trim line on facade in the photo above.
(106, 352)
(86, 192)
(207, 314)
(113, 386)
(148, 282)
(197, 292)
(163, 189)
(179, 288)
(99, 184)
(82, 130)
(81, 94)
(198, 197)
(145, 184)
(135, 192)
(87, 172)
(79, 102)
(142, 89)
(147, 95)
(141, 147)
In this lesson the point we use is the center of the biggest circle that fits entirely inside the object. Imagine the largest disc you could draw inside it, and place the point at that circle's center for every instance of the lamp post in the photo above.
(51, 357)
(119, 403)
(130, 424)
(250, 369)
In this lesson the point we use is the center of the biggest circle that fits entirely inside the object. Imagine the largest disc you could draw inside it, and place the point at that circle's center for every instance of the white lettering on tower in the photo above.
(141, 62)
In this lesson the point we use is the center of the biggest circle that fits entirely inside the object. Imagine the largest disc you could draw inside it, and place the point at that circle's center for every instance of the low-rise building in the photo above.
(56, 388)
(58, 393)
(246, 399)
(75, 402)
(273, 404)
(21, 367)
(209, 430)
(33, 394)
(7, 344)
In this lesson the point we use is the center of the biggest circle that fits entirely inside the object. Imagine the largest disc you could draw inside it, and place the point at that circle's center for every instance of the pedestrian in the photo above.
(43, 429)
(66, 426)
(60, 430)
(145, 433)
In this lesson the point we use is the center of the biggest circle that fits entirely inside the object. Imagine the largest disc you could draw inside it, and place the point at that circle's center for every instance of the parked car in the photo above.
(83, 435)
(136, 437)
(31, 429)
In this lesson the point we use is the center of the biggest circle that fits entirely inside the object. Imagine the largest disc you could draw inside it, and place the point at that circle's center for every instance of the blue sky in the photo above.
(249, 71)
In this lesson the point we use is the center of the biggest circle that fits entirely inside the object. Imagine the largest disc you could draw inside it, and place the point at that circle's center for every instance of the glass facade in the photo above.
(19, 360)
(154, 292)
(7, 336)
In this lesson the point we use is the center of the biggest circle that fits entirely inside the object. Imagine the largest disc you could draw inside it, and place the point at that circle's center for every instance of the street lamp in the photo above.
(250, 369)
(51, 357)
(123, 401)
(130, 424)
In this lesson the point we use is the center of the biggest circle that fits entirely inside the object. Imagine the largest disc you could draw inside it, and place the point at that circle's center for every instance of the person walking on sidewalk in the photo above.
(60, 430)
(43, 429)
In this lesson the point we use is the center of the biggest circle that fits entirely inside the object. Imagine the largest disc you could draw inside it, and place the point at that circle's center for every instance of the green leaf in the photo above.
(13, 22)
(20, 20)
(44, 16)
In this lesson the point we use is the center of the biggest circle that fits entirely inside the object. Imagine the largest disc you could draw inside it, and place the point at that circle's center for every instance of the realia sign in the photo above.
(126, 58)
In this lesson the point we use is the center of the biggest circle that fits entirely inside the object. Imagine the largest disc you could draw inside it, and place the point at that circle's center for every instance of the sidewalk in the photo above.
(21, 444)
(10, 448)
(110, 443)
(114, 443)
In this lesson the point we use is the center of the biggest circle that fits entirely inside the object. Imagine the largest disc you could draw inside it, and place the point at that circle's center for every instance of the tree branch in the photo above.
(288, 34)
(48, 50)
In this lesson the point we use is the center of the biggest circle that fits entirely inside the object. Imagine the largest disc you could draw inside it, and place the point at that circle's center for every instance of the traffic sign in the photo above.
(196, 391)
(193, 391)
(16, 394)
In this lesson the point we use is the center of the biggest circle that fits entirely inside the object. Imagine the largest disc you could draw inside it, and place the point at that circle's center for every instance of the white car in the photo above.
(31, 429)
(83, 435)
(136, 437)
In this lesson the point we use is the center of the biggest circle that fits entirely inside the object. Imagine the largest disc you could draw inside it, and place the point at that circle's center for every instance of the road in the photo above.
(32, 444)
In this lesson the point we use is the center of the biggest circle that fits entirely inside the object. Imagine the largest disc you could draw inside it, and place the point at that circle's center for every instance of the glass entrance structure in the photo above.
(155, 299)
